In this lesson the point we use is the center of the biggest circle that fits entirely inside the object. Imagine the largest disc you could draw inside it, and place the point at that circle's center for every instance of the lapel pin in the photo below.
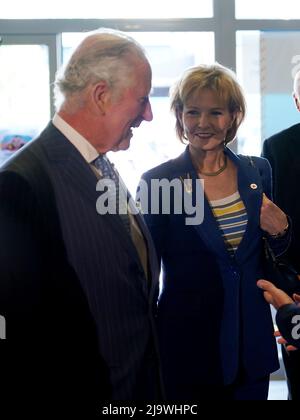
(187, 183)
(138, 205)
(253, 186)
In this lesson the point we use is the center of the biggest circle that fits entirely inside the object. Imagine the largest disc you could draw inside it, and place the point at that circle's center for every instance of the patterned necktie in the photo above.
(108, 172)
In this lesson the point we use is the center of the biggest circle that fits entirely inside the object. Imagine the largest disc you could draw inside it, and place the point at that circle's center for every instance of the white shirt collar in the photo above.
(84, 147)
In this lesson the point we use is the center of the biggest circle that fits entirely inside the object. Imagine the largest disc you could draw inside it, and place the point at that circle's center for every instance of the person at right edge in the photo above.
(287, 316)
(283, 152)
(215, 329)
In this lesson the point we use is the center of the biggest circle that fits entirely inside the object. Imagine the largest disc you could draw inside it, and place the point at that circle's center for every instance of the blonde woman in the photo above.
(216, 331)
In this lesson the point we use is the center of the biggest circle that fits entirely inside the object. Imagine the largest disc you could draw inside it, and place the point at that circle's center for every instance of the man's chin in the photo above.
(122, 145)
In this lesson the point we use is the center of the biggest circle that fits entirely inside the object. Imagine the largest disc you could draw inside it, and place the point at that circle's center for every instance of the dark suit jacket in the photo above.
(288, 322)
(212, 318)
(78, 308)
(283, 152)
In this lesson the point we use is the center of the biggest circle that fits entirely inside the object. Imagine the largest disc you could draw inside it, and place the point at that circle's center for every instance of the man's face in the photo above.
(130, 109)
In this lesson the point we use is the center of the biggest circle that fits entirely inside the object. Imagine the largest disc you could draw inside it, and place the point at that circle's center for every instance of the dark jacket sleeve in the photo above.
(288, 322)
(21, 283)
(49, 354)
(267, 153)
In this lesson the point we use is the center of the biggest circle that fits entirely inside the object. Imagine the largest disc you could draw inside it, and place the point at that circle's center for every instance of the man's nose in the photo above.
(147, 114)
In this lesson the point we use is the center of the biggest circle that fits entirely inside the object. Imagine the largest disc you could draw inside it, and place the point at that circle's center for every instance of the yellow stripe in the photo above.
(234, 242)
(230, 209)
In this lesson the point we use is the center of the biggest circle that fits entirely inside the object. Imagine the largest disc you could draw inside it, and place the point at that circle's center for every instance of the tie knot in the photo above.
(103, 164)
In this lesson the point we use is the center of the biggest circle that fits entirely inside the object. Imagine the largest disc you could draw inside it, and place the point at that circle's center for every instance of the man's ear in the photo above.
(101, 96)
(297, 102)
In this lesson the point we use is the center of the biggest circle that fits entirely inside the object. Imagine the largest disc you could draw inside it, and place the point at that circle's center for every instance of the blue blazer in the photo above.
(212, 318)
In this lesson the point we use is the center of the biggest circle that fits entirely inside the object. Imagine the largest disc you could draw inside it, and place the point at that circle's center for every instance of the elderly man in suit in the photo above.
(283, 152)
(78, 287)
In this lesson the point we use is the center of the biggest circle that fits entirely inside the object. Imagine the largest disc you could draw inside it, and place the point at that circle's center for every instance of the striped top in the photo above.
(231, 215)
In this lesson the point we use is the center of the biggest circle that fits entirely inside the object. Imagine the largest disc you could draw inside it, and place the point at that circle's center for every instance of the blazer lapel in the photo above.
(248, 180)
(69, 162)
(73, 168)
(208, 230)
(292, 152)
(250, 189)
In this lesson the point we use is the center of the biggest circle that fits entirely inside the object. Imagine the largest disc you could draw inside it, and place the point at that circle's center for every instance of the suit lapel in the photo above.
(76, 171)
(152, 258)
(62, 154)
(208, 230)
(292, 152)
(210, 233)
(250, 189)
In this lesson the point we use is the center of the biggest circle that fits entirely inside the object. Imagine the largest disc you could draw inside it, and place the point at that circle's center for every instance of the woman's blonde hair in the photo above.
(220, 80)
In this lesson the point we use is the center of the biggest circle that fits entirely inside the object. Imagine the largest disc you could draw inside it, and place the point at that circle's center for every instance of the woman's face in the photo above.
(205, 120)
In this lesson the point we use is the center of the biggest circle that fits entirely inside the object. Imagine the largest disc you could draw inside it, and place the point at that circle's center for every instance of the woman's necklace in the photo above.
(219, 171)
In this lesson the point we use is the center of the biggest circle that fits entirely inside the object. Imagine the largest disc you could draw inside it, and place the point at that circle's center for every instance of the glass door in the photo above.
(24, 92)
(267, 62)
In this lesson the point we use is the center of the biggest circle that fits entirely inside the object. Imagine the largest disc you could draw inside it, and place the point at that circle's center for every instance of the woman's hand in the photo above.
(272, 219)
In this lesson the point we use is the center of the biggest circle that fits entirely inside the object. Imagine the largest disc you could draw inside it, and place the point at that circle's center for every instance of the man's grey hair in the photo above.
(104, 55)
(297, 85)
